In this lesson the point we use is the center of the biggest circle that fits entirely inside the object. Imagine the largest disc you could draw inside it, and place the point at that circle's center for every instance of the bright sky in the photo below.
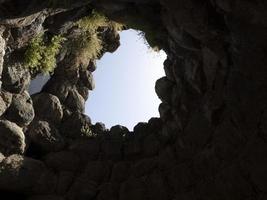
(125, 82)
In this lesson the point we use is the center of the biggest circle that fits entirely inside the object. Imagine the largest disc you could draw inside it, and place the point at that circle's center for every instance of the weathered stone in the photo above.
(165, 111)
(75, 101)
(21, 110)
(143, 167)
(59, 88)
(5, 101)
(86, 185)
(16, 169)
(118, 131)
(133, 189)
(120, 172)
(12, 139)
(164, 89)
(47, 107)
(99, 128)
(198, 131)
(112, 148)
(45, 136)
(87, 79)
(83, 91)
(46, 197)
(158, 188)
(87, 149)
(16, 78)
(2, 157)
(63, 161)
(151, 145)
(210, 142)
(65, 180)
(76, 125)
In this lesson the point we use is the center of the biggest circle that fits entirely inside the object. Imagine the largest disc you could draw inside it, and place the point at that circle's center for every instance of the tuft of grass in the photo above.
(87, 47)
(41, 56)
(92, 22)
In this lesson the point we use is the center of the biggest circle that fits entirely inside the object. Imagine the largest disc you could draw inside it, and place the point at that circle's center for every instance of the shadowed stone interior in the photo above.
(210, 139)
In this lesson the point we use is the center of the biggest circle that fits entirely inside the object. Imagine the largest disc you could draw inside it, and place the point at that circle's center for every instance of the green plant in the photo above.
(41, 56)
(87, 46)
(92, 23)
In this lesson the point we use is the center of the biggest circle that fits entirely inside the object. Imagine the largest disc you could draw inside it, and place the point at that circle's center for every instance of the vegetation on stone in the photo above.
(41, 56)
(88, 45)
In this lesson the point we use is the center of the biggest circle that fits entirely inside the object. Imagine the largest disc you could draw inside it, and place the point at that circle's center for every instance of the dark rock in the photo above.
(45, 136)
(21, 110)
(87, 79)
(92, 66)
(111, 147)
(65, 180)
(158, 188)
(120, 172)
(87, 149)
(77, 125)
(99, 128)
(133, 189)
(46, 197)
(118, 131)
(16, 169)
(5, 101)
(168, 69)
(151, 145)
(164, 89)
(198, 131)
(15, 78)
(74, 101)
(86, 185)
(47, 107)
(165, 111)
(59, 88)
(63, 161)
(83, 91)
(140, 129)
(12, 139)
(143, 167)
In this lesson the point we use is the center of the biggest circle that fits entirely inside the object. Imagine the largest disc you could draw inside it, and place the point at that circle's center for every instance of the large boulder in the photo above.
(87, 79)
(16, 78)
(5, 101)
(12, 139)
(76, 125)
(74, 101)
(21, 110)
(163, 89)
(45, 136)
(47, 107)
(25, 175)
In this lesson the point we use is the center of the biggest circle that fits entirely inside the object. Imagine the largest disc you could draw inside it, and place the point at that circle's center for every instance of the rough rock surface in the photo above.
(210, 139)
(21, 110)
(12, 138)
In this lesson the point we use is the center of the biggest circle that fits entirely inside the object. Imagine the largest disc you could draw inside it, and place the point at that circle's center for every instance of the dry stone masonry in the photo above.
(210, 140)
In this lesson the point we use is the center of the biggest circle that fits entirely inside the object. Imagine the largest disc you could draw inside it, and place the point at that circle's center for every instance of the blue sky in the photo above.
(125, 82)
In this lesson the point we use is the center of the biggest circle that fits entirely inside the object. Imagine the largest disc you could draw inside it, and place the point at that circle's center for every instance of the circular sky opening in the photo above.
(125, 82)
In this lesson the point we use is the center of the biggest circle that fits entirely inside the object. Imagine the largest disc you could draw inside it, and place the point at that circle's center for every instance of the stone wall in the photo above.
(210, 139)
